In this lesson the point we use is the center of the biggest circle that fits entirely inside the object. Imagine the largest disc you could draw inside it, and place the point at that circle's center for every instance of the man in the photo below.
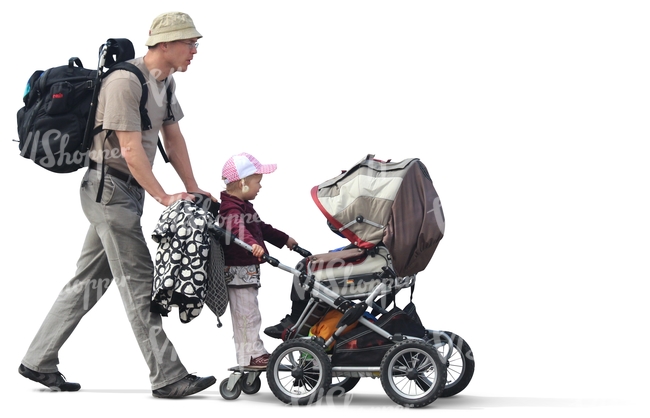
(112, 199)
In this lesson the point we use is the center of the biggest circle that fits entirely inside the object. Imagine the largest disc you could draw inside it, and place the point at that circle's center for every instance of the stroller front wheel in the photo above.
(460, 362)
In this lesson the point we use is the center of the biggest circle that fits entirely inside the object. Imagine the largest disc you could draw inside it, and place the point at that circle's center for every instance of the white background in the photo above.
(532, 118)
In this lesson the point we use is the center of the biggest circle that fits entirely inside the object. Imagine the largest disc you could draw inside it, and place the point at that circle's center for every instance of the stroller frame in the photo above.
(309, 370)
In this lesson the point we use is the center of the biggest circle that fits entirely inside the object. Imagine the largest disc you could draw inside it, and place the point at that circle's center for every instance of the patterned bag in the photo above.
(189, 263)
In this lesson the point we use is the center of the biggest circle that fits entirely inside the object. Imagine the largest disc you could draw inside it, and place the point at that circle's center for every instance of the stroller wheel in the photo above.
(229, 394)
(342, 385)
(412, 373)
(299, 372)
(460, 362)
(251, 388)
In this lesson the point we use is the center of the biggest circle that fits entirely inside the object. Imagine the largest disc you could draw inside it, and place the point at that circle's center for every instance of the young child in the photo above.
(242, 174)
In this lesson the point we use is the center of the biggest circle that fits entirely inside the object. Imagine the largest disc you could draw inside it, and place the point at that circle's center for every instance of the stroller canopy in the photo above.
(393, 203)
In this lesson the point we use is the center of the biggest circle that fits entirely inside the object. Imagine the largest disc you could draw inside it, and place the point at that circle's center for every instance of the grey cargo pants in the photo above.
(114, 251)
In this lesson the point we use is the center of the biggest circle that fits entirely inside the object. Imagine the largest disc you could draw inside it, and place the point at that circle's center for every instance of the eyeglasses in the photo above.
(191, 44)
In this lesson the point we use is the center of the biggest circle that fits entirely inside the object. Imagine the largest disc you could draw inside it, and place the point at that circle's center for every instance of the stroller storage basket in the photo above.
(364, 347)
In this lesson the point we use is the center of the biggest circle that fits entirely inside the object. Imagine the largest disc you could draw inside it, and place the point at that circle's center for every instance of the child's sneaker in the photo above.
(260, 362)
(275, 331)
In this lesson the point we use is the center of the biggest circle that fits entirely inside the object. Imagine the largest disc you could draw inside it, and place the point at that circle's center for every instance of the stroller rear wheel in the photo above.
(412, 373)
(342, 385)
(299, 372)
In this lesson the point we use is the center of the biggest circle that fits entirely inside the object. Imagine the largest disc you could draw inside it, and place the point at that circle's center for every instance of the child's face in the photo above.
(254, 183)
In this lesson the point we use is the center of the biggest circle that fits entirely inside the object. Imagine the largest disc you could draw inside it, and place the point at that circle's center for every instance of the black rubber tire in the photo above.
(251, 389)
(412, 373)
(460, 366)
(229, 395)
(343, 385)
(299, 372)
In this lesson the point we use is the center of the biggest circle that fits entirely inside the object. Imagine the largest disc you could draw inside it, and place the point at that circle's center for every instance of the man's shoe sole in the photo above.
(39, 378)
(206, 383)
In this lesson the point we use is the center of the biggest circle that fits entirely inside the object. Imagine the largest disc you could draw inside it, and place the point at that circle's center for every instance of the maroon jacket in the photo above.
(239, 217)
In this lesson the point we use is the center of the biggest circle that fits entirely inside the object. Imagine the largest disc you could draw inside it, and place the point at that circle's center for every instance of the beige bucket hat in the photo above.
(171, 26)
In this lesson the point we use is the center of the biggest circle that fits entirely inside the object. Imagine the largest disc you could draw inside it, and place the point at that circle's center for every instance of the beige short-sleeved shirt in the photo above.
(118, 109)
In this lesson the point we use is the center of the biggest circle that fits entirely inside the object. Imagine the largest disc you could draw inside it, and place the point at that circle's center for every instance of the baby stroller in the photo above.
(391, 215)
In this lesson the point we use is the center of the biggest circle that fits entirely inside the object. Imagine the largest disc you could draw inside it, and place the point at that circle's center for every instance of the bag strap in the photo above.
(144, 115)
(146, 122)
(170, 116)
(100, 190)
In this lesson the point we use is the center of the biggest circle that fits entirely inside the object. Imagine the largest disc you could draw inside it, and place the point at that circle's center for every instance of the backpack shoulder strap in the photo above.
(144, 115)
(170, 114)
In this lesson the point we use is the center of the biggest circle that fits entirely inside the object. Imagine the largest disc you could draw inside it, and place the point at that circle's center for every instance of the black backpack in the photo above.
(56, 123)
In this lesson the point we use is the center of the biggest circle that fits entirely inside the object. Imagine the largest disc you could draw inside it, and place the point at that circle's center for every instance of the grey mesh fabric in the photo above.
(216, 296)
(394, 203)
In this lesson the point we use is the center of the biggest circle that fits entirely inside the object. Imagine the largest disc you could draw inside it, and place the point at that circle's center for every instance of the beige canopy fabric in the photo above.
(393, 203)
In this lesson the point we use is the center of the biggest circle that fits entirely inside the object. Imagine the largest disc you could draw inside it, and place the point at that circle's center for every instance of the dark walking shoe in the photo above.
(54, 381)
(275, 331)
(189, 385)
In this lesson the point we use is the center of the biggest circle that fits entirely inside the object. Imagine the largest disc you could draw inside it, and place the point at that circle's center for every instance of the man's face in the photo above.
(181, 52)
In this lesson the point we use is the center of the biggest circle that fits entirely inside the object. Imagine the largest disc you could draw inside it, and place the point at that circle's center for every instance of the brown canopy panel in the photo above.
(393, 203)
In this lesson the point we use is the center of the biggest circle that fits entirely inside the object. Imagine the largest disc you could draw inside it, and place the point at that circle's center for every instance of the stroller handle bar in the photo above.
(301, 251)
(229, 238)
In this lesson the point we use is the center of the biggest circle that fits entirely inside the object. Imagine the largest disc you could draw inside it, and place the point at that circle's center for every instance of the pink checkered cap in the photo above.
(243, 165)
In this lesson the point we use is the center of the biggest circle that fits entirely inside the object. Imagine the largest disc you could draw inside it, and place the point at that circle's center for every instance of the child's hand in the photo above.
(291, 243)
(258, 251)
